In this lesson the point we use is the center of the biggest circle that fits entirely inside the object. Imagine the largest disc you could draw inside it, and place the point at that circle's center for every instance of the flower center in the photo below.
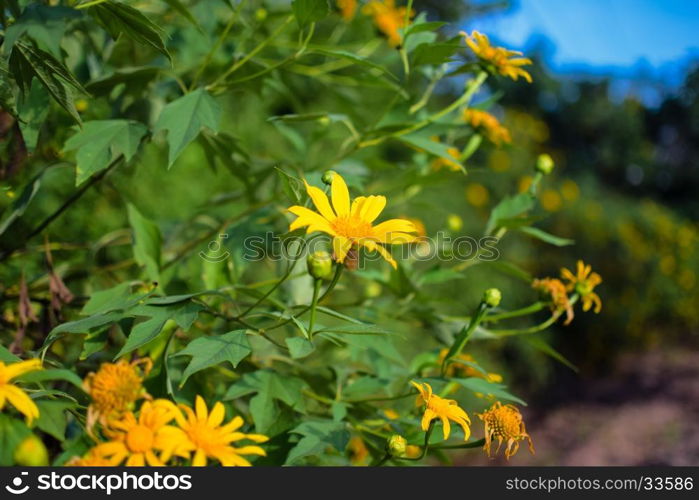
(352, 227)
(139, 439)
(438, 405)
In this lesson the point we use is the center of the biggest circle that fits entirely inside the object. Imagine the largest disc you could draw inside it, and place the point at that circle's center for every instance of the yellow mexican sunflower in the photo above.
(207, 438)
(464, 370)
(146, 439)
(555, 291)
(12, 394)
(348, 9)
(488, 125)
(498, 59)
(504, 423)
(114, 388)
(443, 409)
(583, 283)
(350, 225)
(388, 18)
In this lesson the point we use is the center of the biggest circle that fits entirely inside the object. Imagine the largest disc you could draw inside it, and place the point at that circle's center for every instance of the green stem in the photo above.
(463, 337)
(311, 322)
(537, 306)
(537, 328)
(271, 290)
(425, 447)
(472, 444)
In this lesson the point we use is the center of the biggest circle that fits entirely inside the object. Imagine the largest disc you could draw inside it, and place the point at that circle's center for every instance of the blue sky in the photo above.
(601, 35)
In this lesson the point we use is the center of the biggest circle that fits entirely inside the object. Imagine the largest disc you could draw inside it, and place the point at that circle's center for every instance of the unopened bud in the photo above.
(454, 223)
(328, 176)
(31, 452)
(492, 297)
(260, 14)
(396, 445)
(373, 289)
(544, 164)
(320, 265)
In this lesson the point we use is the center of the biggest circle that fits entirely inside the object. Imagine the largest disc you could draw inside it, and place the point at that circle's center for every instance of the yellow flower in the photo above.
(555, 290)
(114, 388)
(391, 414)
(505, 423)
(207, 438)
(488, 125)
(498, 59)
(388, 18)
(454, 166)
(347, 9)
(358, 451)
(146, 439)
(413, 451)
(584, 282)
(351, 225)
(14, 395)
(477, 194)
(443, 409)
(464, 370)
(89, 460)
(551, 200)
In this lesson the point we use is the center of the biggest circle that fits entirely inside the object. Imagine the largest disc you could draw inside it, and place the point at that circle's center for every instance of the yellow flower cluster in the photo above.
(160, 430)
(388, 18)
(498, 59)
(12, 394)
(488, 125)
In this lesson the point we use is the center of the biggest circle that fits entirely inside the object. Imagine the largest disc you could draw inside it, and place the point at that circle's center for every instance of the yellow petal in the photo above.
(320, 200)
(19, 399)
(199, 458)
(217, 415)
(446, 427)
(20, 368)
(340, 196)
(200, 407)
(387, 256)
(427, 418)
(307, 217)
(372, 208)
(341, 246)
(357, 205)
(384, 230)
(137, 460)
(251, 450)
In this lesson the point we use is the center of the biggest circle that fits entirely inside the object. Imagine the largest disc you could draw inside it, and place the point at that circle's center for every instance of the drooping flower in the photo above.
(207, 438)
(348, 8)
(443, 409)
(388, 18)
(12, 394)
(146, 439)
(583, 283)
(554, 290)
(504, 423)
(465, 365)
(488, 125)
(498, 59)
(351, 225)
(114, 388)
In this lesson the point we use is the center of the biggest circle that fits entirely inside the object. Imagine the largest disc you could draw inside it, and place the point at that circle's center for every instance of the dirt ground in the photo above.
(647, 413)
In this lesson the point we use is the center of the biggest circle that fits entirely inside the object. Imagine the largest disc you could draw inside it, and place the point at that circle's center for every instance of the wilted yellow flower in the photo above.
(207, 438)
(584, 282)
(348, 9)
(498, 59)
(358, 451)
(555, 290)
(443, 409)
(504, 423)
(351, 225)
(12, 394)
(114, 388)
(454, 166)
(146, 439)
(477, 194)
(464, 370)
(488, 125)
(388, 18)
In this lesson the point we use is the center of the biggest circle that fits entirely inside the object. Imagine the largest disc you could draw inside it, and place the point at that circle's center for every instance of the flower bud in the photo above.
(328, 176)
(372, 290)
(454, 223)
(31, 452)
(544, 164)
(320, 265)
(260, 15)
(396, 445)
(492, 297)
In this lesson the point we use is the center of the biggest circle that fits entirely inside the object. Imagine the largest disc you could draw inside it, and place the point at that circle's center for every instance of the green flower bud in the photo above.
(31, 452)
(320, 265)
(544, 164)
(492, 297)
(373, 289)
(455, 223)
(260, 14)
(328, 176)
(396, 445)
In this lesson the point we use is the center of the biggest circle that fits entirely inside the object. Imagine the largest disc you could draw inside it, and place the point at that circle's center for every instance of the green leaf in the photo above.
(292, 186)
(432, 147)
(12, 433)
(147, 243)
(82, 326)
(537, 233)
(108, 300)
(231, 347)
(22, 202)
(482, 386)
(299, 347)
(364, 329)
(351, 57)
(436, 53)
(543, 346)
(52, 374)
(510, 269)
(310, 11)
(52, 417)
(183, 11)
(44, 24)
(27, 62)
(33, 110)
(100, 142)
(425, 26)
(317, 437)
(118, 18)
(6, 356)
(509, 208)
(364, 387)
(184, 118)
